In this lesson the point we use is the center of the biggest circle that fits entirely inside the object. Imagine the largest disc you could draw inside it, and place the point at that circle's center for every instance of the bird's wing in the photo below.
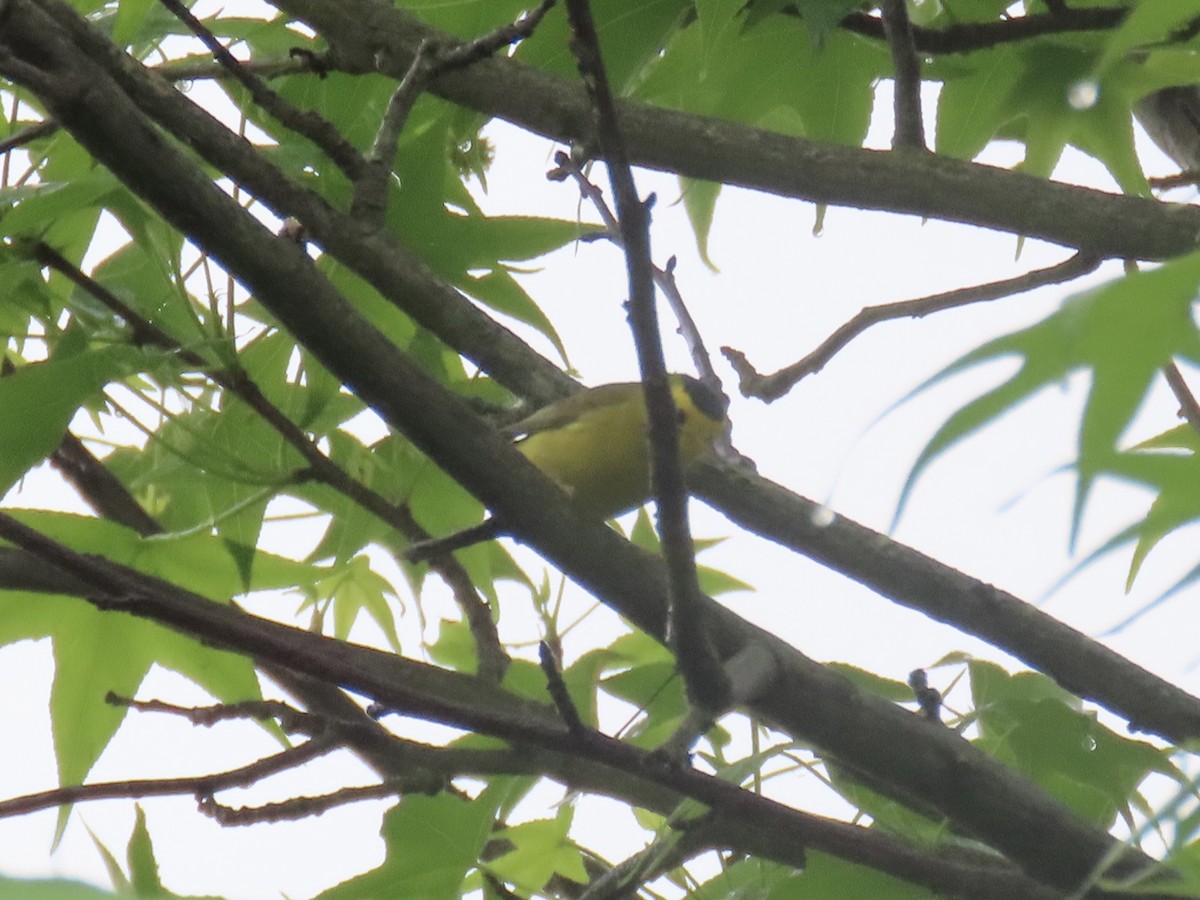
(569, 409)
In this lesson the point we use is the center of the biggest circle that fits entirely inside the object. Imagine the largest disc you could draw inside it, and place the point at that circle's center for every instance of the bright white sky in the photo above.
(994, 507)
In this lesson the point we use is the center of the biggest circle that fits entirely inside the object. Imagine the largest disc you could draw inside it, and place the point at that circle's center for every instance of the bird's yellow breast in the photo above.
(602, 456)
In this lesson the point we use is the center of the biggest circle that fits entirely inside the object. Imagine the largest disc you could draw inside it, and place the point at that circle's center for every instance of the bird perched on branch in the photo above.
(595, 444)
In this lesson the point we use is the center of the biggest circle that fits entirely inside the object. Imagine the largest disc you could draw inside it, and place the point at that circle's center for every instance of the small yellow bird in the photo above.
(595, 445)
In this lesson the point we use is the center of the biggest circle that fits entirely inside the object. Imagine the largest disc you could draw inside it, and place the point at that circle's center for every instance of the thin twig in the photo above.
(967, 36)
(28, 135)
(370, 191)
(688, 330)
(297, 807)
(557, 689)
(773, 386)
(482, 47)
(1182, 179)
(430, 61)
(626, 879)
(290, 719)
(1189, 409)
(567, 165)
(304, 122)
(330, 711)
(909, 125)
(199, 786)
(686, 633)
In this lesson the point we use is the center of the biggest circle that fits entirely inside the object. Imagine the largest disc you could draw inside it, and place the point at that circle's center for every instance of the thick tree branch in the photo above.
(926, 185)
(1081, 665)
(99, 488)
(740, 820)
(398, 274)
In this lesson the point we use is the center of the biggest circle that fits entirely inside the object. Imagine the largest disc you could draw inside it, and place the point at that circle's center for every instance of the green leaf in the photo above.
(356, 588)
(714, 582)
(142, 275)
(1123, 333)
(38, 401)
(771, 73)
(197, 472)
(1148, 22)
(116, 875)
(657, 691)
(526, 679)
(829, 878)
(130, 15)
(41, 207)
(467, 18)
(26, 296)
(582, 679)
(143, 867)
(49, 889)
(888, 688)
(432, 842)
(974, 104)
(1047, 95)
(499, 290)
(746, 879)
(541, 849)
(86, 669)
(889, 814)
(1028, 722)
(1174, 478)
(700, 202)
(454, 647)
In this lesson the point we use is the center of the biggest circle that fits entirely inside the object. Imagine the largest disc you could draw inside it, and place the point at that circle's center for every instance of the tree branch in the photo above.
(968, 36)
(370, 191)
(926, 185)
(198, 786)
(1081, 665)
(566, 165)
(1189, 409)
(773, 386)
(742, 820)
(304, 122)
(705, 679)
(909, 124)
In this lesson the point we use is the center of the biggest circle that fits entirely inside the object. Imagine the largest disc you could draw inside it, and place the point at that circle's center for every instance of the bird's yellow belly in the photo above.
(601, 461)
